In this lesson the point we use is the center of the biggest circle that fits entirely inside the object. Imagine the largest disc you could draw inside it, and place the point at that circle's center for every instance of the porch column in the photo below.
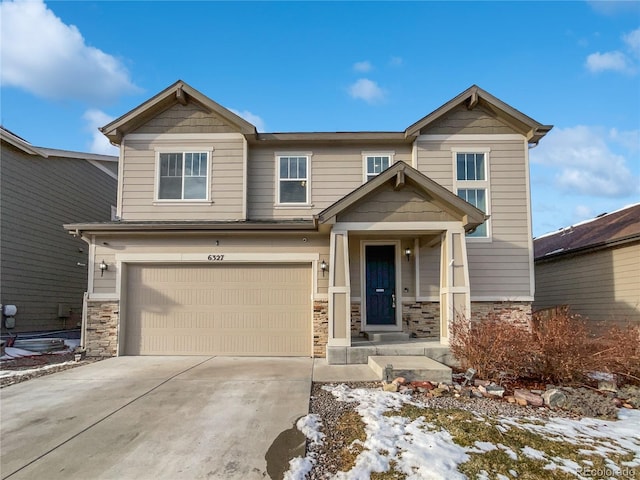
(339, 291)
(455, 296)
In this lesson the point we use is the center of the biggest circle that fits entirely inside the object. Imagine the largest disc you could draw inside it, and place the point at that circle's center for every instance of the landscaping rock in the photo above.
(587, 403)
(530, 397)
(390, 387)
(399, 380)
(631, 394)
(423, 385)
(511, 399)
(484, 383)
(554, 398)
(521, 401)
(495, 390)
(607, 386)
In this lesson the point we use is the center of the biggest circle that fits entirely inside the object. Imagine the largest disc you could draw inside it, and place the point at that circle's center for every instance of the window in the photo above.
(478, 198)
(472, 184)
(376, 163)
(183, 176)
(293, 179)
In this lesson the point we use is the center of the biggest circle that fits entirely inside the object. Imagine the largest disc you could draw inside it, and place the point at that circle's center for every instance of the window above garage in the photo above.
(183, 176)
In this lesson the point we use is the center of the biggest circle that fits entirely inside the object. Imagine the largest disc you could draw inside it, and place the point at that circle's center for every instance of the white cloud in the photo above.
(366, 90)
(629, 139)
(585, 163)
(600, 62)
(253, 119)
(614, 7)
(364, 66)
(617, 60)
(50, 59)
(583, 212)
(99, 143)
(632, 39)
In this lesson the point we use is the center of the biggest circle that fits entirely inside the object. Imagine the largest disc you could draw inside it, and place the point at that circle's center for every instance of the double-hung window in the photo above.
(472, 185)
(183, 175)
(376, 163)
(293, 179)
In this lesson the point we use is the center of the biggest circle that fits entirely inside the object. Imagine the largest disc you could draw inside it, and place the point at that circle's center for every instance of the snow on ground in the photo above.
(421, 451)
(299, 467)
(30, 371)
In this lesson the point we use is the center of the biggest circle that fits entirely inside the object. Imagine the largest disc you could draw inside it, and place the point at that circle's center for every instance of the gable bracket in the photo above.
(181, 97)
(400, 180)
(473, 100)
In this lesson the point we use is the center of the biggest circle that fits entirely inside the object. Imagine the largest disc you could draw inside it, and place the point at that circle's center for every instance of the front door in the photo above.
(380, 278)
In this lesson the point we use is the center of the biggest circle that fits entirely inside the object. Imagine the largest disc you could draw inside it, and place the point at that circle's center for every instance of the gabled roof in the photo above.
(401, 173)
(180, 92)
(605, 230)
(20, 143)
(474, 96)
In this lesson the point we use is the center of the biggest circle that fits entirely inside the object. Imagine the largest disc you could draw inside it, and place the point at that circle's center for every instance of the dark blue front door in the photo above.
(380, 278)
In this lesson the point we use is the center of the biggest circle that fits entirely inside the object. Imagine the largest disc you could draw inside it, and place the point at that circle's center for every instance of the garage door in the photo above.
(226, 309)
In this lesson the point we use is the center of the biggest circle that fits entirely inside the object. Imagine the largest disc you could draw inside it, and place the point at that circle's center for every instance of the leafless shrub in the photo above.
(559, 348)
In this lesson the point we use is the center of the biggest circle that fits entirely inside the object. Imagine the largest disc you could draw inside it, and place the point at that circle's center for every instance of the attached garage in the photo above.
(221, 309)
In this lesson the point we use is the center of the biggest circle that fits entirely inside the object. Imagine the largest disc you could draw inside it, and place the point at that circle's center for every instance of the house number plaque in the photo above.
(215, 258)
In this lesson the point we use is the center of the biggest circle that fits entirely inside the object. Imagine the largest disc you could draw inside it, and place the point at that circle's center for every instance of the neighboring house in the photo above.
(235, 242)
(592, 267)
(42, 268)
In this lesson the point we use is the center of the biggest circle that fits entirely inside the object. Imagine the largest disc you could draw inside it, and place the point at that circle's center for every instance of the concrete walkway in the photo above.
(157, 417)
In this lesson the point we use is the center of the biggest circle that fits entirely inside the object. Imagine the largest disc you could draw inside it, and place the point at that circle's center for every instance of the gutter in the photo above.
(89, 228)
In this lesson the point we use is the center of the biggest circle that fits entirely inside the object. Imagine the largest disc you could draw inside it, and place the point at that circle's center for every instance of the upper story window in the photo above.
(183, 175)
(376, 163)
(293, 179)
(472, 184)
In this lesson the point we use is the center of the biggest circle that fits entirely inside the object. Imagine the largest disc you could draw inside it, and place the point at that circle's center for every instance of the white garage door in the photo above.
(227, 309)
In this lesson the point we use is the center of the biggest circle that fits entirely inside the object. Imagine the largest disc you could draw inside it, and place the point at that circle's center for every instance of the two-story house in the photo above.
(235, 242)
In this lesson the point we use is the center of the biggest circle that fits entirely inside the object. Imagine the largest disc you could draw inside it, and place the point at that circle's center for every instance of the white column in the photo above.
(339, 290)
(455, 294)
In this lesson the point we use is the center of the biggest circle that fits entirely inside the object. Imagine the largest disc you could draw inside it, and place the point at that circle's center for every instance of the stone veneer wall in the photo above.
(421, 319)
(356, 319)
(101, 339)
(514, 312)
(320, 327)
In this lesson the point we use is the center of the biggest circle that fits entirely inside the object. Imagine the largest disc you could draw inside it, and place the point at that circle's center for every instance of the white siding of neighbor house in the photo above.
(335, 171)
(139, 179)
(499, 268)
(601, 286)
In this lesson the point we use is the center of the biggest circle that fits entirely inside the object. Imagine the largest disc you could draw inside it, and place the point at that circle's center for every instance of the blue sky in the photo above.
(69, 67)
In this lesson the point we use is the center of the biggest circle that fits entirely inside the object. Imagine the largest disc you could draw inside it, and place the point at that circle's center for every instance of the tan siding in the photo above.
(185, 119)
(429, 270)
(139, 170)
(461, 120)
(335, 172)
(602, 286)
(389, 205)
(38, 257)
(509, 247)
(206, 244)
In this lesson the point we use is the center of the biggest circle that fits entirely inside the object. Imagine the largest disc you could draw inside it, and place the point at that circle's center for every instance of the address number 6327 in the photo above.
(215, 258)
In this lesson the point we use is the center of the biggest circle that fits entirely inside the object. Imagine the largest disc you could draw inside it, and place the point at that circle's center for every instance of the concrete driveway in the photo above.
(157, 417)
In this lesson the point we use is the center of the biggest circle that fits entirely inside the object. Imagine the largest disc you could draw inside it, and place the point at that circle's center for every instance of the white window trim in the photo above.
(366, 154)
(177, 201)
(278, 203)
(475, 184)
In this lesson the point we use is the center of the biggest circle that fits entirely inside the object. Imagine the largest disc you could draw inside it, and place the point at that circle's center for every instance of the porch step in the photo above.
(387, 336)
(411, 368)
